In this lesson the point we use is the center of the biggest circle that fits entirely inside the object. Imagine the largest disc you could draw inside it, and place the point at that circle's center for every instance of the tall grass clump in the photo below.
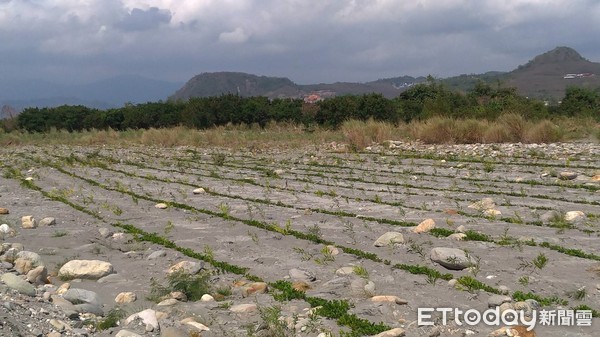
(515, 126)
(543, 132)
(360, 134)
(435, 130)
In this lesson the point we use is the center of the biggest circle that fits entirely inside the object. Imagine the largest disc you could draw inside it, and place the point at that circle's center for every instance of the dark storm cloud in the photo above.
(307, 41)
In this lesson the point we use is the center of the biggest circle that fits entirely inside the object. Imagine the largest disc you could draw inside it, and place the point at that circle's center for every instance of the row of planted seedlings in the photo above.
(579, 193)
(487, 239)
(539, 201)
(418, 269)
(336, 309)
(504, 240)
(390, 197)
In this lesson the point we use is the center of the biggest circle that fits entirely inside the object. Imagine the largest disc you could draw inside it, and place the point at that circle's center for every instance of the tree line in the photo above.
(419, 102)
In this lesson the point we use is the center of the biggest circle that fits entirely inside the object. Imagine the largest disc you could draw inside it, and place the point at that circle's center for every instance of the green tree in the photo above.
(581, 102)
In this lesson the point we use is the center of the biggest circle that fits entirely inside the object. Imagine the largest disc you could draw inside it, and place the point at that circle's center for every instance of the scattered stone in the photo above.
(506, 306)
(461, 229)
(148, 318)
(112, 278)
(550, 216)
(157, 254)
(574, 216)
(457, 236)
(492, 212)
(389, 299)
(425, 226)
(85, 301)
(6, 230)
(450, 258)
(4, 211)
(127, 333)
(198, 326)
(567, 175)
(396, 332)
(47, 222)
(125, 297)
(514, 331)
(255, 288)
(187, 267)
(483, 204)
(38, 275)
(16, 283)
(333, 250)
(199, 190)
(504, 290)
(300, 286)
(23, 266)
(167, 302)
(85, 269)
(161, 205)
(173, 332)
(497, 300)
(207, 298)
(389, 238)
(105, 232)
(301, 275)
(594, 178)
(369, 288)
(28, 222)
(59, 325)
(344, 271)
(243, 308)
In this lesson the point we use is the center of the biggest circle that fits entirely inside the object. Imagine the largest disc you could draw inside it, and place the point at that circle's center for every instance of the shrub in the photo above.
(193, 286)
(543, 132)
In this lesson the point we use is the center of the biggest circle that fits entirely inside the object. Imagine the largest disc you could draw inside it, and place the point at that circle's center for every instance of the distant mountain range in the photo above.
(545, 77)
(218, 83)
(108, 93)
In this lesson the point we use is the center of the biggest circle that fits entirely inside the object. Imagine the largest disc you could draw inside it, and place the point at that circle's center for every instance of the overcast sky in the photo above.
(307, 41)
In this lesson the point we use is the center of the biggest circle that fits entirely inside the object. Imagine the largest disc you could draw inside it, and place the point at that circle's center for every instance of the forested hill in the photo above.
(545, 77)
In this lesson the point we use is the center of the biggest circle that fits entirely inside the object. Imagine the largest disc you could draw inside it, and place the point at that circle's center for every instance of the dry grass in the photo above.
(508, 128)
(358, 134)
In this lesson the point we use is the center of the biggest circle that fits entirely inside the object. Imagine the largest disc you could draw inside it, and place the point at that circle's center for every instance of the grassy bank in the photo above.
(358, 134)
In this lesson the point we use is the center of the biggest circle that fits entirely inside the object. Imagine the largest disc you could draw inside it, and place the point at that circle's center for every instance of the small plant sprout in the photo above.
(360, 271)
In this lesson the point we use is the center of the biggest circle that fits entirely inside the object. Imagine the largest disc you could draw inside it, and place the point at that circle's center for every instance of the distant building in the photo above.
(580, 75)
(317, 96)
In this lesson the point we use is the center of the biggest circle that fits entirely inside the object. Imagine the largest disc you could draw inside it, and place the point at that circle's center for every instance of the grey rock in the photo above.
(87, 269)
(112, 278)
(301, 275)
(188, 267)
(389, 238)
(450, 258)
(84, 301)
(497, 300)
(105, 232)
(16, 283)
(550, 216)
(38, 275)
(127, 333)
(173, 332)
(157, 254)
(49, 221)
(567, 175)
(35, 258)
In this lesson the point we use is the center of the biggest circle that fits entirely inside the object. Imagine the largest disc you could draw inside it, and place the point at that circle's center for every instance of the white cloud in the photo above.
(238, 35)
